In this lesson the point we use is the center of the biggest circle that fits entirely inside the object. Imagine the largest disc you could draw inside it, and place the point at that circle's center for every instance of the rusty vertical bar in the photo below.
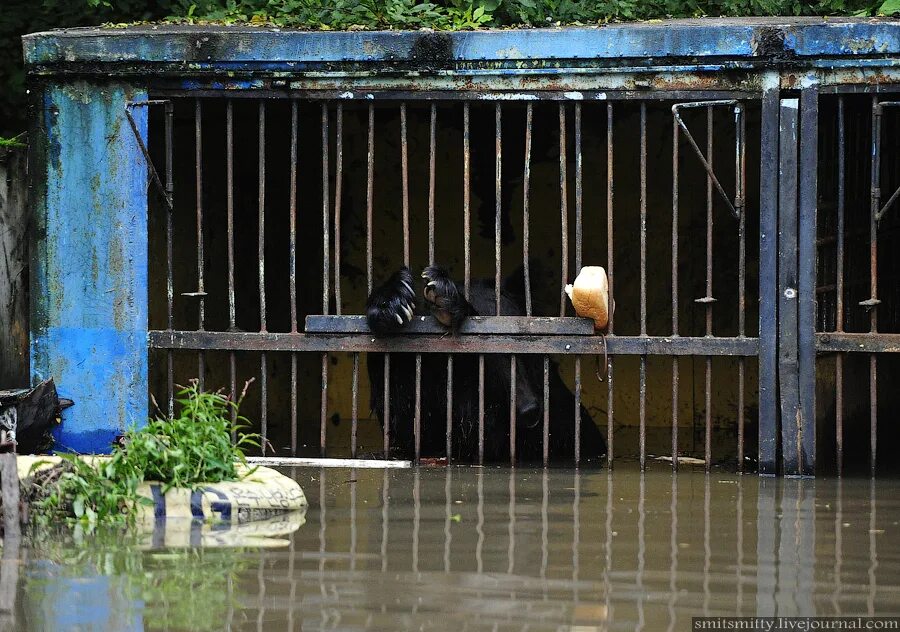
(872, 303)
(512, 410)
(707, 300)
(338, 198)
(326, 272)
(579, 198)
(546, 438)
(449, 408)
(386, 414)
(198, 173)
(261, 254)
(563, 208)
(432, 149)
(740, 177)
(292, 270)
(261, 201)
(229, 211)
(370, 195)
(579, 201)
(326, 214)
(417, 415)
(354, 413)
(480, 409)
(526, 183)
(498, 123)
(170, 285)
(642, 407)
(404, 175)
(676, 137)
(609, 270)
(839, 359)
(466, 198)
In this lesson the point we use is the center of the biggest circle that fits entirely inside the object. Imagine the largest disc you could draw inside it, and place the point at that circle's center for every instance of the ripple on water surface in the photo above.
(500, 549)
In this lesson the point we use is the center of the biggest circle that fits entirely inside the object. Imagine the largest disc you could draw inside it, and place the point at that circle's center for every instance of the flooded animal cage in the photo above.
(234, 195)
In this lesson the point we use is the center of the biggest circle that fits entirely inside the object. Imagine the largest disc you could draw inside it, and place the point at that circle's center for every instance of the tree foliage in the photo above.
(19, 17)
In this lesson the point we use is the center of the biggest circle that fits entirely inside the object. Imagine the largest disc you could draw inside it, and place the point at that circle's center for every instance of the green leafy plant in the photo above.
(15, 141)
(191, 448)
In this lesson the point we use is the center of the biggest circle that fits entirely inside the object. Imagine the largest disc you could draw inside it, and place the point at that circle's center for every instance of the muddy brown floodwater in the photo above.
(465, 548)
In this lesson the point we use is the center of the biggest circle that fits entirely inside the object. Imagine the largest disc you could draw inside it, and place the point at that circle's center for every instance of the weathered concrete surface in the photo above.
(760, 38)
(89, 262)
(13, 268)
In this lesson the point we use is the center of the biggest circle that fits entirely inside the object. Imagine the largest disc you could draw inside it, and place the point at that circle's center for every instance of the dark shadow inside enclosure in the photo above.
(260, 179)
(853, 418)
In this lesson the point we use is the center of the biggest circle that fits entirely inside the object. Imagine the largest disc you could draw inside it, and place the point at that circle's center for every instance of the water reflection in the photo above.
(496, 548)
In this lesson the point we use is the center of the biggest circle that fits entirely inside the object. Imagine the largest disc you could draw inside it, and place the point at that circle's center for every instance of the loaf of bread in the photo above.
(590, 295)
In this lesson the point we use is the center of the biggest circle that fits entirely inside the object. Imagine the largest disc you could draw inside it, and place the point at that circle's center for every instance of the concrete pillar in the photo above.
(89, 261)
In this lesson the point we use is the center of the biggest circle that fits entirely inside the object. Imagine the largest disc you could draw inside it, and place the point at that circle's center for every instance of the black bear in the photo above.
(391, 307)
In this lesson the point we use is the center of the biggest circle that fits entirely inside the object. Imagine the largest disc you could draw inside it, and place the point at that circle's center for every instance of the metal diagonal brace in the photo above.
(876, 191)
(165, 191)
(736, 208)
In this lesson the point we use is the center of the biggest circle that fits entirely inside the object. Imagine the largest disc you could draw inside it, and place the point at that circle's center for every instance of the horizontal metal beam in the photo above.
(614, 345)
(862, 343)
(512, 325)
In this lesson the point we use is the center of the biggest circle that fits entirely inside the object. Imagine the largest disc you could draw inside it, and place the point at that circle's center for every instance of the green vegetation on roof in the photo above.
(473, 14)
(27, 16)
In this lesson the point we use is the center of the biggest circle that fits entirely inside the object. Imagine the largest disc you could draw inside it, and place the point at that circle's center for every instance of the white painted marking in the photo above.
(286, 461)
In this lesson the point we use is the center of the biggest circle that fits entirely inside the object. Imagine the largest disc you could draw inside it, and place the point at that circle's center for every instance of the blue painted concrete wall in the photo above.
(89, 258)
(268, 47)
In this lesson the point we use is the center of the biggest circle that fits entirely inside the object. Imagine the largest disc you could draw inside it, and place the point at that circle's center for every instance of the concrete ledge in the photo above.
(762, 39)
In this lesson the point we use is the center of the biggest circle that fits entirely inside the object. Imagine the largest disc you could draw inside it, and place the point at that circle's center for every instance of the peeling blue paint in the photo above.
(271, 48)
(90, 307)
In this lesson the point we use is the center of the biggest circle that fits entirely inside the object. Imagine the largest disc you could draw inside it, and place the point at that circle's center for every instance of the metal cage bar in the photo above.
(333, 331)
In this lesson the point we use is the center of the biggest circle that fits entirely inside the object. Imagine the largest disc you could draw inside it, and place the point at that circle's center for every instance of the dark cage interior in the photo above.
(858, 282)
(242, 168)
